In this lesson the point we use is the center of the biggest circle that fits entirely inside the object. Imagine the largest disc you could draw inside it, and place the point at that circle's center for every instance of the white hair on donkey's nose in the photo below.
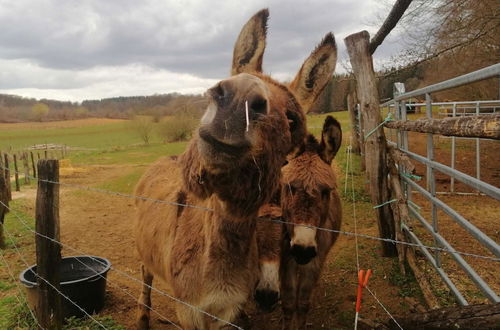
(209, 115)
(304, 236)
(269, 276)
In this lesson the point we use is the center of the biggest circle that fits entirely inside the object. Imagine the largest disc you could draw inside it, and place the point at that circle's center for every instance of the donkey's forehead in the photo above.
(309, 171)
(248, 83)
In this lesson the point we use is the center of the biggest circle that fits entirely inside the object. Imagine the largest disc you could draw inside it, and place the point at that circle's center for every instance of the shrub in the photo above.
(178, 127)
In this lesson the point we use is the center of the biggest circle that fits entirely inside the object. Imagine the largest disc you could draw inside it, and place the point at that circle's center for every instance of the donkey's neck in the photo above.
(231, 247)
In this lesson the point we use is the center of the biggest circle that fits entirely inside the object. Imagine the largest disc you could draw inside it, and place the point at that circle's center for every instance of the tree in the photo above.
(81, 112)
(39, 111)
(142, 126)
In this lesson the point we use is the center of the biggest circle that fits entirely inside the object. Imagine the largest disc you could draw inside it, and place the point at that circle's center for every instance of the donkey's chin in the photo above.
(221, 154)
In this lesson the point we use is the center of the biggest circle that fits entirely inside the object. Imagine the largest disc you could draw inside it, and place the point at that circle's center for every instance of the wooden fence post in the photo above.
(33, 163)
(355, 129)
(26, 167)
(7, 175)
(4, 198)
(375, 144)
(48, 253)
(16, 173)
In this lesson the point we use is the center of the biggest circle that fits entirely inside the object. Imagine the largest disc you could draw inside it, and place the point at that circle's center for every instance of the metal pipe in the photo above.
(478, 153)
(485, 73)
(391, 102)
(482, 238)
(461, 300)
(480, 283)
(453, 146)
(431, 180)
(484, 187)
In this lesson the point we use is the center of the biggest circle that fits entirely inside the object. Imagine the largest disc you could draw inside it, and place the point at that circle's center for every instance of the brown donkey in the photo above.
(309, 197)
(232, 166)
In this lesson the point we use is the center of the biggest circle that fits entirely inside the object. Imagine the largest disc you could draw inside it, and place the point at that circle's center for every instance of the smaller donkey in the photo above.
(269, 238)
(309, 197)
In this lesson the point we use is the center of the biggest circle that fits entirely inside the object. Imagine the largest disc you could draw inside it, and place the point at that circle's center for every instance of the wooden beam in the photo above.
(482, 126)
(390, 22)
(48, 252)
(462, 317)
(375, 144)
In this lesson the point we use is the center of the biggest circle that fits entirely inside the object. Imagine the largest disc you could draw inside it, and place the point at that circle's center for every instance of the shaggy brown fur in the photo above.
(309, 197)
(209, 259)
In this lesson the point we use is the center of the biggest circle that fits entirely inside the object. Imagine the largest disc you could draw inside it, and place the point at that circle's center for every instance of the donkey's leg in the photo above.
(288, 292)
(190, 318)
(144, 302)
(308, 277)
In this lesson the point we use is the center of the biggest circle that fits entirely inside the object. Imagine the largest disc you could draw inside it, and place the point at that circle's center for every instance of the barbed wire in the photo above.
(122, 272)
(50, 284)
(389, 240)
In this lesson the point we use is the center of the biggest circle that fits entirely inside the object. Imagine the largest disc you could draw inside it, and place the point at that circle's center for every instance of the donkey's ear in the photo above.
(316, 72)
(250, 45)
(331, 139)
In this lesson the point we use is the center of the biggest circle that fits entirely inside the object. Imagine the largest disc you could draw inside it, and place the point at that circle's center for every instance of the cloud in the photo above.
(101, 82)
(50, 45)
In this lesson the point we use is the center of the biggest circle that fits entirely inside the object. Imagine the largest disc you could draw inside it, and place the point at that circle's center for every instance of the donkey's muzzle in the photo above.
(266, 299)
(302, 254)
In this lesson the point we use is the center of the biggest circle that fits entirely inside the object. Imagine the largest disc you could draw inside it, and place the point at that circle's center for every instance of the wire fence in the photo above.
(170, 203)
(130, 196)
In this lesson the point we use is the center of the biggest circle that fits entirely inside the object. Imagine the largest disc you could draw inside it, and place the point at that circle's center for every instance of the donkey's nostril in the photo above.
(303, 254)
(266, 299)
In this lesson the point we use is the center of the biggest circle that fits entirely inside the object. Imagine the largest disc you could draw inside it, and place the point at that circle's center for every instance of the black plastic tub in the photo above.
(83, 280)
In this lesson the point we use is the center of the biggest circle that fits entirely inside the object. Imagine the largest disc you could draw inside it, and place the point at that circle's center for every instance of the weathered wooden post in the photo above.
(355, 129)
(375, 143)
(7, 175)
(48, 252)
(16, 173)
(26, 167)
(33, 163)
(4, 205)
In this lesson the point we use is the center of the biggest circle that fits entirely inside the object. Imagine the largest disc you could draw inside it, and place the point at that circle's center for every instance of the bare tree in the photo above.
(143, 126)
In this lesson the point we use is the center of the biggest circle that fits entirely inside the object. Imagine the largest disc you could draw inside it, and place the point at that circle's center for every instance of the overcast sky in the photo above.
(76, 49)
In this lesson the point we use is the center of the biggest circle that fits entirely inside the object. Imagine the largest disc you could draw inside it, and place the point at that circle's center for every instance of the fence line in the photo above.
(432, 225)
(273, 220)
(53, 287)
(122, 272)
